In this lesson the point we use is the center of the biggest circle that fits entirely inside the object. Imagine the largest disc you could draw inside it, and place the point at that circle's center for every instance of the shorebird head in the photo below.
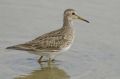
(71, 14)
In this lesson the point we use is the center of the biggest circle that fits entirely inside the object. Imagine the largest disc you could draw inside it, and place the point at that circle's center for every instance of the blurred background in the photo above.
(95, 53)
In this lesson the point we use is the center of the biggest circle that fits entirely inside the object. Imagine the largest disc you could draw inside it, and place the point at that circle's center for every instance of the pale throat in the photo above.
(67, 21)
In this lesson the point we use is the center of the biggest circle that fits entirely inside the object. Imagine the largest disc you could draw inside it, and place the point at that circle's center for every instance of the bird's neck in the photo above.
(66, 22)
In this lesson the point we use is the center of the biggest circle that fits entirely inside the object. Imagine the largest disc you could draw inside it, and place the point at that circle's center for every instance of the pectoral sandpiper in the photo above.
(55, 42)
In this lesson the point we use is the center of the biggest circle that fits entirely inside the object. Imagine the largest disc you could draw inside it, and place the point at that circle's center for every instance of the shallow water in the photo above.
(93, 55)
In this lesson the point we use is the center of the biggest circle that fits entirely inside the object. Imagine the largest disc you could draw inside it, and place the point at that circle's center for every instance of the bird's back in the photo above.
(52, 41)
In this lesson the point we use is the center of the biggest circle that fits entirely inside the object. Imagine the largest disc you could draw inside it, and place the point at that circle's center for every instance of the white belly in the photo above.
(50, 54)
(66, 48)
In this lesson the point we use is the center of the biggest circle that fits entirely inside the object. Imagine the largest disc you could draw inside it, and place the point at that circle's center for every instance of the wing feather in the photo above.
(50, 41)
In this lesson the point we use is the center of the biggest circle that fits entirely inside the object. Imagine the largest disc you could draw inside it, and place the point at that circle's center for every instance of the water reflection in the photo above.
(47, 71)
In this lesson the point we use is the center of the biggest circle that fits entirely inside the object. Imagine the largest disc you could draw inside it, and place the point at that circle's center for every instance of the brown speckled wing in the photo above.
(53, 41)
(49, 41)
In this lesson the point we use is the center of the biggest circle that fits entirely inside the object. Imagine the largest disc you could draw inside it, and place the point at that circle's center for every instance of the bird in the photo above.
(55, 42)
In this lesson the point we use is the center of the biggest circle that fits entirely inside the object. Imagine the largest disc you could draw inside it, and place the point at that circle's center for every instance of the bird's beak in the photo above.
(82, 19)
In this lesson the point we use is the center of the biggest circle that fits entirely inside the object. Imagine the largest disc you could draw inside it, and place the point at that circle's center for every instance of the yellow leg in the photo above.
(40, 59)
(53, 60)
(49, 61)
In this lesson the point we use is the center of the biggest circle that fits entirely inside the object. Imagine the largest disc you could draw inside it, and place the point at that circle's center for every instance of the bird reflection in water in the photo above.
(47, 71)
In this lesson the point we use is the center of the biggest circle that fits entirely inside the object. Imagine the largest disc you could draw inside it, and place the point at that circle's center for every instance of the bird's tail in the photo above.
(19, 47)
(12, 47)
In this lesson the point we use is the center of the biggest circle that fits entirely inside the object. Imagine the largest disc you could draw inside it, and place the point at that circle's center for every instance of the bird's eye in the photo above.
(73, 13)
